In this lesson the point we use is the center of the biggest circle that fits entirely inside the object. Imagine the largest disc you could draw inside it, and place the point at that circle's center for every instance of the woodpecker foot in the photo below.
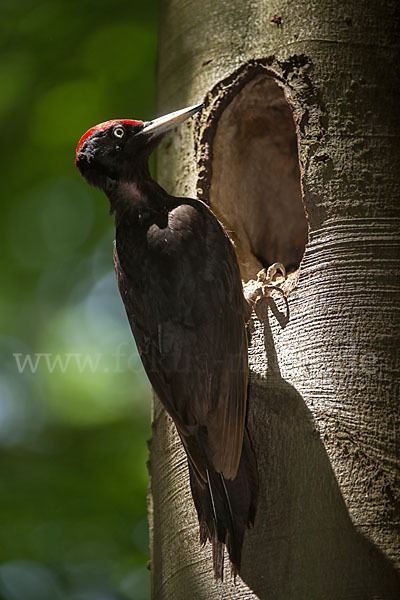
(266, 278)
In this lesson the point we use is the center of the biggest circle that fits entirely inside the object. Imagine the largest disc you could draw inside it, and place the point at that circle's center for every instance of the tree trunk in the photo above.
(285, 84)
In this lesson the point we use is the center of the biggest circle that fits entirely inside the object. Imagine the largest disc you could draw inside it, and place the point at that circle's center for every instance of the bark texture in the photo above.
(324, 394)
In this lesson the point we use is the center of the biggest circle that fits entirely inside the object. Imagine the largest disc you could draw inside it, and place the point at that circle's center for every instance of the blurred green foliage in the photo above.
(74, 401)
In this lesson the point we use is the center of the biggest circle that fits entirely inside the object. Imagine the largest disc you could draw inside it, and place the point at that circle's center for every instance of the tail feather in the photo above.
(226, 507)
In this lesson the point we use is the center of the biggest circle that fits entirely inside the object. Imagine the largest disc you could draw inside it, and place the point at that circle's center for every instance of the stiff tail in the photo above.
(226, 508)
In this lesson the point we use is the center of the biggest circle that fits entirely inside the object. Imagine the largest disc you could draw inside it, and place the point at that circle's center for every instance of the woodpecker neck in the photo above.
(138, 194)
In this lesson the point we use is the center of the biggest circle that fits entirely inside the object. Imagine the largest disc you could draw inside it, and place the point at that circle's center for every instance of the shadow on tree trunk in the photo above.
(303, 544)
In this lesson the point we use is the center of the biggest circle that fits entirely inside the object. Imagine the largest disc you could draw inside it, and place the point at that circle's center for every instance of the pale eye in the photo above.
(119, 131)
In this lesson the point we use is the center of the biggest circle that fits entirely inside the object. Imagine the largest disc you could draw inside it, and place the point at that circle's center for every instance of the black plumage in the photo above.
(179, 280)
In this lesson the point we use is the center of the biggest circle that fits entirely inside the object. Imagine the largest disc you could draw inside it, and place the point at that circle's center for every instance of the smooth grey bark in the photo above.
(324, 395)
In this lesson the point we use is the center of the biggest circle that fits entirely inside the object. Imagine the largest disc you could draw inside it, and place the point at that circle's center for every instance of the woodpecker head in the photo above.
(117, 150)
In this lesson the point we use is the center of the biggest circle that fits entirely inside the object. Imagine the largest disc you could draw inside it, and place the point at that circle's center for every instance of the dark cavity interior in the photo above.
(255, 186)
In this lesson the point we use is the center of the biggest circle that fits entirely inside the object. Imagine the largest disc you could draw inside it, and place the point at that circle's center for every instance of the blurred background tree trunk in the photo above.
(297, 152)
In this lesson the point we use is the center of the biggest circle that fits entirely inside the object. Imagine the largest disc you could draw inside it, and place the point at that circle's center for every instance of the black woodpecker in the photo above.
(179, 279)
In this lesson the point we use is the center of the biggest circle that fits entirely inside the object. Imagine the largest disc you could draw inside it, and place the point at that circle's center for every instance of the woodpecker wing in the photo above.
(179, 279)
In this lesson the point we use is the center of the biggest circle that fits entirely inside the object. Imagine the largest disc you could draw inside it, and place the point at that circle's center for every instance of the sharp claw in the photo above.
(268, 276)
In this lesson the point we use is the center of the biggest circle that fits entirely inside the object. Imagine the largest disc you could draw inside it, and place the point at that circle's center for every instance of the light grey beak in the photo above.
(167, 122)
